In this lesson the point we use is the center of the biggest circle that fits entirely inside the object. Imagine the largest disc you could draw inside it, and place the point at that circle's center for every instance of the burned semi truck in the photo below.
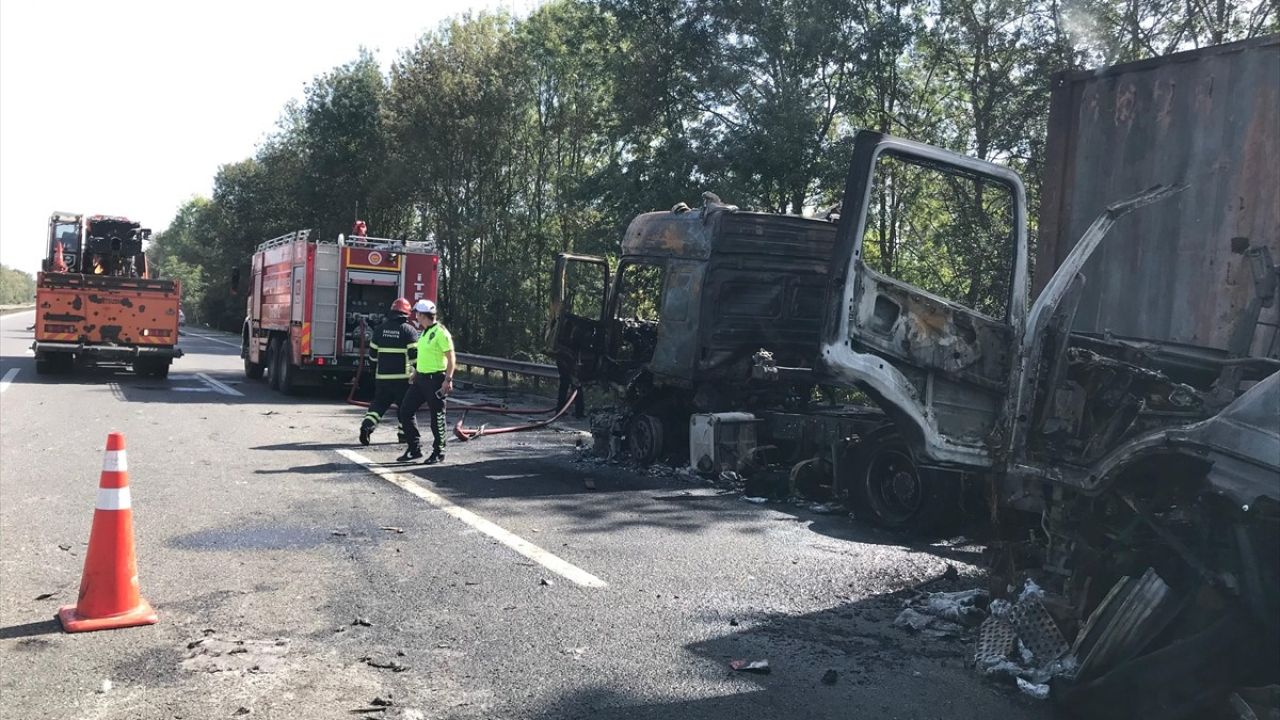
(1126, 418)
(917, 298)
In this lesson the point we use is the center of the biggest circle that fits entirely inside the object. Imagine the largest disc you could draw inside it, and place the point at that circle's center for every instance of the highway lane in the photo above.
(258, 523)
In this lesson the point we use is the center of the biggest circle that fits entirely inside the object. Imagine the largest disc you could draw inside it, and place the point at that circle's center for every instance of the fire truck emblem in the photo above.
(375, 258)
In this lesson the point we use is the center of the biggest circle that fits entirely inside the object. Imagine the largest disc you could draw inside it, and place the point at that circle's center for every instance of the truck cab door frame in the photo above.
(943, 371)
(577, 341)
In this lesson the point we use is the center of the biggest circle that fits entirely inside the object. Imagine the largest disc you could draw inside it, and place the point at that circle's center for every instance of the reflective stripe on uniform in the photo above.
(392, 376)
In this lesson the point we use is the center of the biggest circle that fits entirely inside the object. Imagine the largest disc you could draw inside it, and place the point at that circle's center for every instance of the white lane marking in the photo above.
(8, 378)
(212, 339)
(199, 389)
(220, 387)
(114, 499)
(556, 565)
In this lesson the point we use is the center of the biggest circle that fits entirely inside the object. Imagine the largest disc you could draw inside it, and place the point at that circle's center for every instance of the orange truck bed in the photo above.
(107, 318)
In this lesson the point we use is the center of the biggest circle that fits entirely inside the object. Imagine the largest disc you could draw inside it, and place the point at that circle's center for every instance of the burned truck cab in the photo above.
(696, 295)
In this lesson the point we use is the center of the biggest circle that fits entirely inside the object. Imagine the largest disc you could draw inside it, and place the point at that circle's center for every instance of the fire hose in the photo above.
(466, 433)
(461, 432)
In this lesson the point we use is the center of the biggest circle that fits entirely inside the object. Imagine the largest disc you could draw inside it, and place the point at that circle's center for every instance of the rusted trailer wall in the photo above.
(1209, 118)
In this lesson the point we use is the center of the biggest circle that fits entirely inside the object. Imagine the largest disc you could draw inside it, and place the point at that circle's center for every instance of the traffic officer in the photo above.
(393, 348)
(431, 383)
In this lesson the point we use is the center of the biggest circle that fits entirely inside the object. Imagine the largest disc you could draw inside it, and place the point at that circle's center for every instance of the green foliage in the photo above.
(16, 287)
(507, 140)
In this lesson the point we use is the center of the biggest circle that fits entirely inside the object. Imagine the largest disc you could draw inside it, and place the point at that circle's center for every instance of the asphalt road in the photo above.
(499, 584)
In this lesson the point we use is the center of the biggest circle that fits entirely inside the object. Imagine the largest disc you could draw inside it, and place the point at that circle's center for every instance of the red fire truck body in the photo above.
(308, 299)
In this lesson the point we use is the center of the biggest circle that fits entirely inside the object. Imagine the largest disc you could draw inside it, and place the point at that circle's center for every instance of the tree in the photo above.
(16, 287)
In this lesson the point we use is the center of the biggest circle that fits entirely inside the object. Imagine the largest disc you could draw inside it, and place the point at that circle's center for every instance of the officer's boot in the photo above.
(413, 453)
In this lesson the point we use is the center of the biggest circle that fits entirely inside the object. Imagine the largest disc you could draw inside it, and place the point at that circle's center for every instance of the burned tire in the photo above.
(891, 490)
(644, 439)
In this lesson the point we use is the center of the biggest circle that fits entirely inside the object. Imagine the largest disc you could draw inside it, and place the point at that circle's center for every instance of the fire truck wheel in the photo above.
(288, 373)
(253, 370)
(273, 363)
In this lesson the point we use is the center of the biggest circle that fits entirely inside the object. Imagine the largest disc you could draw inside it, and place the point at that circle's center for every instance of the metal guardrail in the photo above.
(504, 365)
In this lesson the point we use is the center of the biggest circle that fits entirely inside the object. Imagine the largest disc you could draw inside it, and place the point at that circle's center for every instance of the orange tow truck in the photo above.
(96, 302)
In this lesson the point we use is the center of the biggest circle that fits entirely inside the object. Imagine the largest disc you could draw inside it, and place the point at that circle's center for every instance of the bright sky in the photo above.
(128, 107)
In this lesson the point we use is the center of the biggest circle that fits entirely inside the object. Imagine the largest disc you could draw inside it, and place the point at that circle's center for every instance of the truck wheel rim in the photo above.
(645, 439)
(893, 486)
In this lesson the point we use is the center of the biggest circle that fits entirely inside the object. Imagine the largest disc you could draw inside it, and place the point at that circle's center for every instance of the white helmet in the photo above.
(425, 306)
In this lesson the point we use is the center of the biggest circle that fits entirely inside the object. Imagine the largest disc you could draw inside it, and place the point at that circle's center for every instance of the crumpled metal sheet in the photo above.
(996, 640)
(1037, 630)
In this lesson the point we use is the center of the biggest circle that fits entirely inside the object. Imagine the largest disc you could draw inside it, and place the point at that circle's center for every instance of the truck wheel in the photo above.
(288, 373)
(273, 363)
(55, 363)
(152, 367)
(890, 490)
(644, 439)
(253, 370)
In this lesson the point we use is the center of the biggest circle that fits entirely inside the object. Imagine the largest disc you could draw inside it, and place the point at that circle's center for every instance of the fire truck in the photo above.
(96, 302)
(313, 303)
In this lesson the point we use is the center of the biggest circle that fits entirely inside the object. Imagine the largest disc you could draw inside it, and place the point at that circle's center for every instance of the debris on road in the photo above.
(46, 596)
(944, 614)
(392, 528)
(382, 701)
(1039, 691)
(362, 622)
(106, 687)
(760, 667)
(242, 710)
(212, 654)
(64, 547)
(830, 677)
(545, 582)
(340, 533)
(384, 663)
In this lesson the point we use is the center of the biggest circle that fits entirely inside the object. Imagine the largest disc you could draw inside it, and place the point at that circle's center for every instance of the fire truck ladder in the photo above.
(324, 312)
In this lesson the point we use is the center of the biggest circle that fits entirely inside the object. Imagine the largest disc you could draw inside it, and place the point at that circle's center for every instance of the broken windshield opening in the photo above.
(945, 232)
(584, 289)
(638, 303)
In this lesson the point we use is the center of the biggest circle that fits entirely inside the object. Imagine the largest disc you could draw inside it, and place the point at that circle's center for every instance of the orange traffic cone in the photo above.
(109, 596)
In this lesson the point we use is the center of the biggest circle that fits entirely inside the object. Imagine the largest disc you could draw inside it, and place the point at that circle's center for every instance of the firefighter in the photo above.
(392, 348)
(431, 383)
